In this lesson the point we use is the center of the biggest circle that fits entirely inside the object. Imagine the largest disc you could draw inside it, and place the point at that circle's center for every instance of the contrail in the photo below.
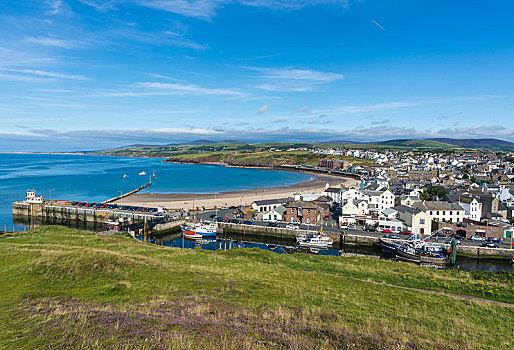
(378, 24)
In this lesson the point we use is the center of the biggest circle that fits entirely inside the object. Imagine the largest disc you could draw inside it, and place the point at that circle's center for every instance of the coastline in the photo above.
(190, 201)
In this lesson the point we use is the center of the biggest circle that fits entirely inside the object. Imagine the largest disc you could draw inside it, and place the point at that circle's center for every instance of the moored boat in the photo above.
(416, 250)
(314, 240)
(201, 230)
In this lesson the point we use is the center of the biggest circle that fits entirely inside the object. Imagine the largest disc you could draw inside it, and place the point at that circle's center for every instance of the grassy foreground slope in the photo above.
(61, 288)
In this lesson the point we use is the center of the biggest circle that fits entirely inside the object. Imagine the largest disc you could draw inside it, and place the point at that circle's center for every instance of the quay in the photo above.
(342, 239)
(63, 211)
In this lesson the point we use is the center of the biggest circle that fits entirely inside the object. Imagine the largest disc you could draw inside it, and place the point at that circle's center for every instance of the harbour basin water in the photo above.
(96, 178)
(289, 246)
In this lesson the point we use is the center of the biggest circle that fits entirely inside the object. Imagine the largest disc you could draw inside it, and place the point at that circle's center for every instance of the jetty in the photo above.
(124, 195)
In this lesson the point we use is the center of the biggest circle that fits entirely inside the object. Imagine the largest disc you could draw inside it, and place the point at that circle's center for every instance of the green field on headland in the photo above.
(256, 155)
(62, 288)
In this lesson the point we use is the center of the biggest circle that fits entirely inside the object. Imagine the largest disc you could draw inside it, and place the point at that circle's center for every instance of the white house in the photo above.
(379, 200)
(415, 220)
(334, 193)
(274, 215)
(389, 213)
(472, 208)
(442, 211)
(269, 204)
(409, 200)
(351, 194)
(33, 198)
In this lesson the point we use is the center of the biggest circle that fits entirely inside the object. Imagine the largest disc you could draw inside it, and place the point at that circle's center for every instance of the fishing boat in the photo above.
(314, 240)
(142, 173)
(125, 176)
(417, 250)
(201, 230)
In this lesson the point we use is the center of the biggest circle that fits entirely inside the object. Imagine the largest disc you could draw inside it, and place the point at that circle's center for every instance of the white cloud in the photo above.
(298, 74)
(190, 89)
(357, 109)
(292, 79)
(54, 42)
(31, 73)
(263, 109)
(206, 9)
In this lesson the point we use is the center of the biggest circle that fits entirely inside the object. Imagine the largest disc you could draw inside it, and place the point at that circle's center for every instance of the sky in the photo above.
(92, 74)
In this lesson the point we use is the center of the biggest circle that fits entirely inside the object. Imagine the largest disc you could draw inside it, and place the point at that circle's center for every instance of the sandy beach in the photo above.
(190, 201)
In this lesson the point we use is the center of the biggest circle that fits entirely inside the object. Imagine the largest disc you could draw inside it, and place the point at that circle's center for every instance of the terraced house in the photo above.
(442, 211)
(304, 212)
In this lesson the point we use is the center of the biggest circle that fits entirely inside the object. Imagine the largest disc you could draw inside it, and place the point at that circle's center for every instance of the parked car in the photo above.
(370, 229)
(248, 222)
(495, 240)
(449, 240)
(386, 230)
(292, 227)
(273, 224)
(489, 245)
(392, 236)
(406, 233)
(476, 238)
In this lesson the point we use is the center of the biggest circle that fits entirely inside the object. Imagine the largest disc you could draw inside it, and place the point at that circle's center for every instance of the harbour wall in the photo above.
(345, 239)
(64, 213)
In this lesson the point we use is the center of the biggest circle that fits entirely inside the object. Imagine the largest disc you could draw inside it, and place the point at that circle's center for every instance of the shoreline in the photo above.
(192, 201)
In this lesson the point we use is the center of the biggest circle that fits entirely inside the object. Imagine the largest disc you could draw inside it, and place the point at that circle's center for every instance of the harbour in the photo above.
(118, 214)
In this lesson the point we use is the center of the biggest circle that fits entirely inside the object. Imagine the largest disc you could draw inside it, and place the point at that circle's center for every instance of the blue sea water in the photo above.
(97, 178)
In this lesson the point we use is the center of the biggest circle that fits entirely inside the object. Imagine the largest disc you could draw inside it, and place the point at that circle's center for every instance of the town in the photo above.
(469, 194)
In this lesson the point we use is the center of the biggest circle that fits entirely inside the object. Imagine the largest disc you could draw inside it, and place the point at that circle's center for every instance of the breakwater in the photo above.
(124, 195)
(64, 212)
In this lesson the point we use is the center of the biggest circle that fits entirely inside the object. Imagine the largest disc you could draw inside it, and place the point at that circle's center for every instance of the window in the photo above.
(421, 221)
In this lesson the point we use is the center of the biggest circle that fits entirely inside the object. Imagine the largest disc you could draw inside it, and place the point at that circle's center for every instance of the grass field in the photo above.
(264, 158)
(61, 288)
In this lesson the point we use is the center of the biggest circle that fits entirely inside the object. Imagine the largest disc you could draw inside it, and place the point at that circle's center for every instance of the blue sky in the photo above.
(87, 74)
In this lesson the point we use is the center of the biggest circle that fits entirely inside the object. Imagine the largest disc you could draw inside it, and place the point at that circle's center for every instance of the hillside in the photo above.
(252, 155)
(408, 143)
(67, 289)
(478, 143)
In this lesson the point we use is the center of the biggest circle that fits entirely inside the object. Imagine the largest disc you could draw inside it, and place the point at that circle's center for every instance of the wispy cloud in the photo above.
(57, 7)
(358, 109)
(263, 109)
(206, 9)
(292, 79)
(31, 73)
(49, 41)
(191, 89)
(298, 74)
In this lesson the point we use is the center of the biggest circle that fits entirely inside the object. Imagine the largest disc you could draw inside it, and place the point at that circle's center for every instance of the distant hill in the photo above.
(477, 143)
(415, 143)
(447, 143)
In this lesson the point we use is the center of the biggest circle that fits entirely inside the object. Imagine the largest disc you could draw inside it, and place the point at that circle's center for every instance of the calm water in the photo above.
(95, 178)
(284, 246)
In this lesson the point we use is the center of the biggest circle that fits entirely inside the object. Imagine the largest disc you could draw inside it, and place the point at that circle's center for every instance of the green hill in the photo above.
(416, 143)
(67, 289)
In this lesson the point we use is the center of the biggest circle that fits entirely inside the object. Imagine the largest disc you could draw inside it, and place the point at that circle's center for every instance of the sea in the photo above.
(95, 178)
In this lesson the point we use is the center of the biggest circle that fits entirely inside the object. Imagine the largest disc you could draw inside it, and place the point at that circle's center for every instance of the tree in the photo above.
(432, 192)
